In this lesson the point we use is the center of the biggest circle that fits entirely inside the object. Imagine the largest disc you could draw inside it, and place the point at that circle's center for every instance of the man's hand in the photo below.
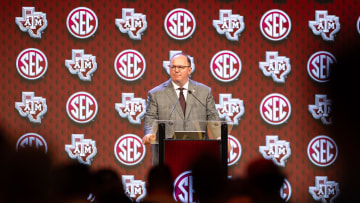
(148, 139)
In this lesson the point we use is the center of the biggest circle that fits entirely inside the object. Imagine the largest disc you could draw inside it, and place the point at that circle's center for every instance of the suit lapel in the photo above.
(190, 99)
(173, 98)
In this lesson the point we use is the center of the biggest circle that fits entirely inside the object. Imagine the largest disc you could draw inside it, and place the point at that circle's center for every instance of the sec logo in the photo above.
(31, 140)
(275, 25)
(129, 149)
(235, 153)
(319, 66)
(82, 22)
(183, 188)
(275, 109)
(322, 151)
(31, 64)
(180, 24)
(285, 191)
(81, 107)
(130, 65)
(225, 66)
(358, 25)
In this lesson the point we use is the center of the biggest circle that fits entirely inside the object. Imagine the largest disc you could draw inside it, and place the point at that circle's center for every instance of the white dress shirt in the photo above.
(185, 90)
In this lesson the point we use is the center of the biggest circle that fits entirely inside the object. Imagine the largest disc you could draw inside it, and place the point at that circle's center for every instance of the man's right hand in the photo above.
(148, 139)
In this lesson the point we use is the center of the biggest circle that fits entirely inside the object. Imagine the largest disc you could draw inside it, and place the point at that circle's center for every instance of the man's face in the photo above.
(178, 75)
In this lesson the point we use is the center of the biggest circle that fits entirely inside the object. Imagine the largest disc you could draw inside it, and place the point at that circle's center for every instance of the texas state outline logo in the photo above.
(84, 150)
(134, 24)
(276, 150)
(132, 108)
(31, 107)
(325, 25)
(230, 109)
(230, 25)
(134, 189)
(322, 109)
(82, 65)
(324, 190)
(277, 67)
(33, 22)
(171, 54)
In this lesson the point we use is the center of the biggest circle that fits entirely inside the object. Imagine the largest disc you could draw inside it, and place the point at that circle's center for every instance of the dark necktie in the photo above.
(182, 99)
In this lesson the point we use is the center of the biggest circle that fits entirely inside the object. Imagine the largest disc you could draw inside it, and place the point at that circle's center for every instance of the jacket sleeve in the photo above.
(151, 114)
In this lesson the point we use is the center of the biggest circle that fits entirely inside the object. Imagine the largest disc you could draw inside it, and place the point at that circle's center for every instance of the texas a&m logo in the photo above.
(82, 22)
(81, 107)
(278, 67)
(229, 108)
(84, 65)
(32, 22)
(276, 150)
(31, 64)
(31, 140)
(183, 188)
(235, 153)
(232, 25)
(325, 25)
(225, 66)
(322, 151)
(130, 65)
(180, 24)
(275, 109)
(324, 190)
(285, 191)
(319, 66)
(322, 109)
(132, 23)
(81, 149)
(132, 108)
(32, 107)
(135, 189)
(171, 54)
(129, 149)
(275, 25)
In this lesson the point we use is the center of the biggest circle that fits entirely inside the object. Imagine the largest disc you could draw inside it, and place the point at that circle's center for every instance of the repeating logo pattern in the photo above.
(232, 25)
(236, 150)
(285, 190)
(32, 22)
(183, 188)
(275, 25)
(82, 22)
(32, 140)
(322, 109)
(225, 66)
(324, 190)
(130, 65)
(171, 54)
(84, 65)
(32, 107)
(132, 108)
(31, 64)
(325, 25)
(132, 23)
(322, 151)
(180, 24)
(319, 66)
(129, 149)
(81, 107)
(84, 150)
(275, 109)
(230, 109)
(276, 150)
(278, 67)
(135, 189)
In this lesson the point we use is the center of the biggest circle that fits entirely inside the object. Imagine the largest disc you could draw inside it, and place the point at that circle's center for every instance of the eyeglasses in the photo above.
(174, 67)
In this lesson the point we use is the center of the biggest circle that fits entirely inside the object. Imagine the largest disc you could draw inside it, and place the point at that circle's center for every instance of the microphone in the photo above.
(172, 110)
(211, 112)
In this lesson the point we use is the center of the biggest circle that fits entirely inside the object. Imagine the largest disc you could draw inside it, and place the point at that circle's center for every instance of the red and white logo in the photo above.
(84, 65)
(32, 140)
(129, 149)
(324, 190)
(276, 150)
(171, 54)
(81, 149)
(32, 107)
(135, 189)
(285, 190)
(235, 153)
(358, 25)
(82, 22)
(322, 109)
(132, 108)
(232, 25)
(183, 188)
(130, 65)
(225, 66)
(278, 67)
(230, 109)
(322, 151)
(275, 25)
(31, 64)
(32, 22)
(325, 25)
(81, 107)
(132, 23)
(180, 24)
(319, 66)
(275, 109)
